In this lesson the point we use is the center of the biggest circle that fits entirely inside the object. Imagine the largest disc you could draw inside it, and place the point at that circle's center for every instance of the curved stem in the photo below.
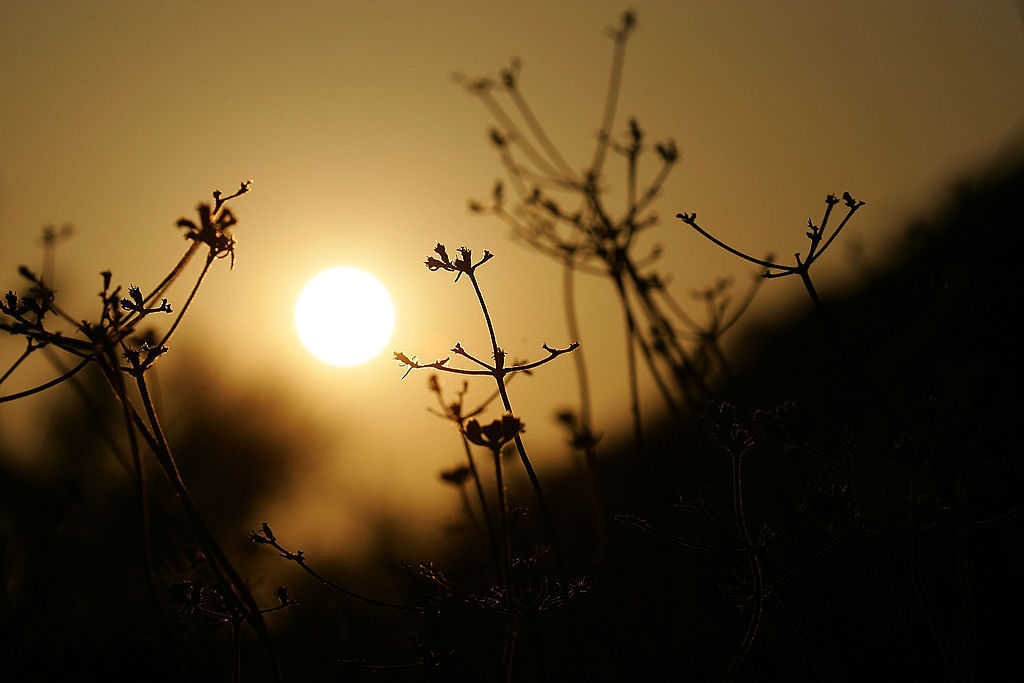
(300, 560)
(91, 406)
(652, 191)
(742, 308)
(459, 351)
(767, 264)
(541, 136)
(109, 368)
(490, 329)
(757, 609)
(644, 348)
(46, 385)
(514, 135)
(173, 275)
(232, 584)
(682, 367)
(527, 465)
(188, 301)
(610, 104)
(569, 297)
(552, 354)
(835, 234)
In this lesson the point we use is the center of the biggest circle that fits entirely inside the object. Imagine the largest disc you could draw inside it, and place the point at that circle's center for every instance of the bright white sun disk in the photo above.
(344, 316)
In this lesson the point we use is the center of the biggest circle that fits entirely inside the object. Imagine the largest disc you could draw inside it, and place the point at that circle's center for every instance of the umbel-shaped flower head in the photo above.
(496, 434)
(463, 263)
(214, 226)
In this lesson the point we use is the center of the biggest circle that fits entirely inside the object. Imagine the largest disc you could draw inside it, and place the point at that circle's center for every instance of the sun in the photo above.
(344, 316)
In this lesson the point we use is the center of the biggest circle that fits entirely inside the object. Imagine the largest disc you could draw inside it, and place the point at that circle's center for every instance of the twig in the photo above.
(46, 385)
(266, 537)
(14, 366)
(232, 583)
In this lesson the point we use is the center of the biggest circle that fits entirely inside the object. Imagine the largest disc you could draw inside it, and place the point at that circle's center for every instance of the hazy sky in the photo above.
(119, 117)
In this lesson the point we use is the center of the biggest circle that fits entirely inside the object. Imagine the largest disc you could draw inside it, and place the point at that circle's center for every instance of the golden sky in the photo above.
(119, 117)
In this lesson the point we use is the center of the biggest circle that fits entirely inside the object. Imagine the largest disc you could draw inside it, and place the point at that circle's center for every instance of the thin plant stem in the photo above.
(173, 275)
(610, 104)
(631, 325)
(46, 385)
(188, 301)
(683, 368)
(14, 366)
(651, 192)
(678, 310)
(634, 390)
(631, 188)
(742, 308)
(527, 465)
(757, 609)
(541, 136)
(645, 349)
(91, 406)
(506, 531)
(499, 359)
(492, 544)
(805, 277)
(590, 452)
(232, 583)
(569, 297)
(299, 559)
(515, 136)
(490, 327)
(692, 222)
(139, 468)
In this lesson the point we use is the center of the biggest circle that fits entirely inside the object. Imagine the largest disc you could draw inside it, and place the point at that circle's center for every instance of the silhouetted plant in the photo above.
(493, 437)
(564, 213)
(735, 440)
(815, 233)
(508, 428)
(456, 413)
(265, 536)
(719, 320)
(107, 342)
(463, 265)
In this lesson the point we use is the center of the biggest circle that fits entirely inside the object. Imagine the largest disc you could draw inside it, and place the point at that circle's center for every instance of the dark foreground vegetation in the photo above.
(840, 502)
(880, 477)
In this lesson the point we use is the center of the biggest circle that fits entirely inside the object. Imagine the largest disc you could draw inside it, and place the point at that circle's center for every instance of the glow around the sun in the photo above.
(344, 316)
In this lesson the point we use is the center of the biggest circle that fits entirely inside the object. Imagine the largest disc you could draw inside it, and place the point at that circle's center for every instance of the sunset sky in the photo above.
(118, 117)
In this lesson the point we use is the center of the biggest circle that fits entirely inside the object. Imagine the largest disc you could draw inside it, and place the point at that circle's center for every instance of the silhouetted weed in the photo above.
(815, 233)
(107, 343)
